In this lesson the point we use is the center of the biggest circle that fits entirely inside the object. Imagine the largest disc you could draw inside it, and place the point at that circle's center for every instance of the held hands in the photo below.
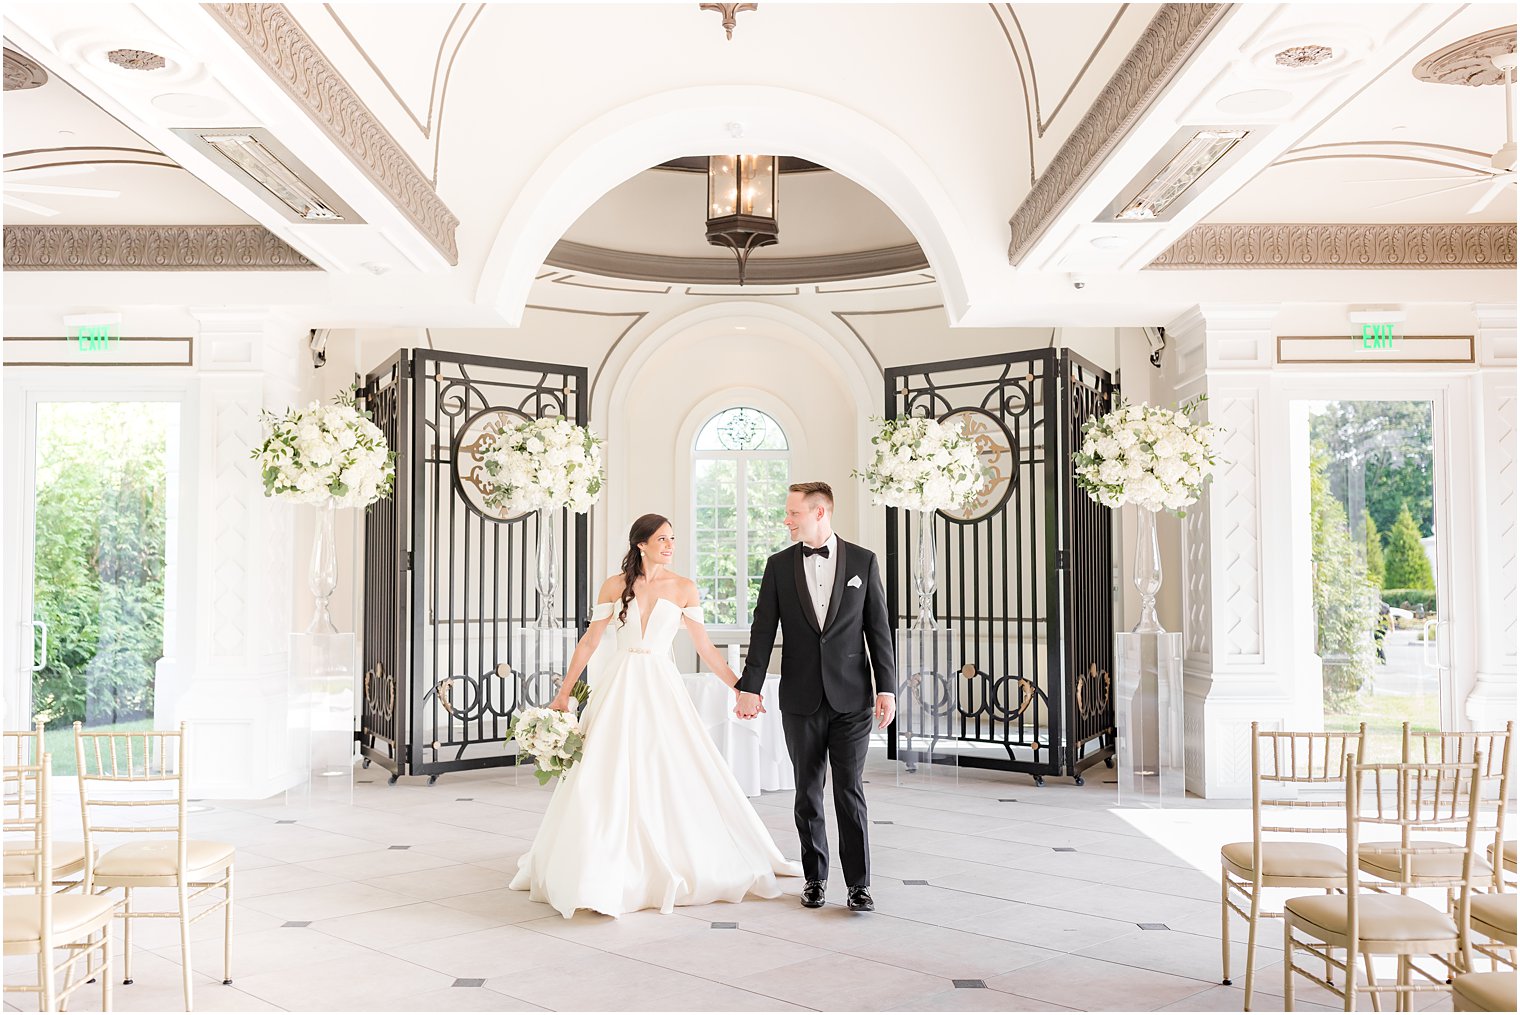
(886, 709)
(747, 705)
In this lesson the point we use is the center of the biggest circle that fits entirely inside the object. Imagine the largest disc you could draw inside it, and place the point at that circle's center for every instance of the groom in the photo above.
(827, 596)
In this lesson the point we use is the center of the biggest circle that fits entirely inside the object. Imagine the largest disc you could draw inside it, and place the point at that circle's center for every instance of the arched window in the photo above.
(739, 481)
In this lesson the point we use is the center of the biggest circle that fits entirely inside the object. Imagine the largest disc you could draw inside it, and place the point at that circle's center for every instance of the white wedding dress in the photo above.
(650, 817)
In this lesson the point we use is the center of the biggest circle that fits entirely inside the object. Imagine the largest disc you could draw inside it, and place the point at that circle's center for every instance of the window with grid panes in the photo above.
(739, 481)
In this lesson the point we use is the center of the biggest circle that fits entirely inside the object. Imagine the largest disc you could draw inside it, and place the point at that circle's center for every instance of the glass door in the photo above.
(96, 503)
(1374, 527)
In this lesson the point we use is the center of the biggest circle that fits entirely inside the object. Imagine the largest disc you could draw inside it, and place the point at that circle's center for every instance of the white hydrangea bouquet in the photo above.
(1146, 455)
(310, 455)
(544, 463)
(921, 464)
(553, 739)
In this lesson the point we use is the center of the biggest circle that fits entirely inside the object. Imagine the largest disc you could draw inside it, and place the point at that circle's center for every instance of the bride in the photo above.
(650, 817)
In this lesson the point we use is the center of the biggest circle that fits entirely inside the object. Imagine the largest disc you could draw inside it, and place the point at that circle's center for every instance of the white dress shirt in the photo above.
(820, 573)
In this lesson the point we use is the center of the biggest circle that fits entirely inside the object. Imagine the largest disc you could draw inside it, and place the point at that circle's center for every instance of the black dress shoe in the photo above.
(861, 901)
(812, 894)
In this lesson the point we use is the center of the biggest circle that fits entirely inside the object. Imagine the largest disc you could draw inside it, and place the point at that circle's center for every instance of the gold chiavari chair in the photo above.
(1286, 771)
(1491, 801)
(1483, 992)
(41, 921)
(21, 748)
(1415, 798)
(119, 767)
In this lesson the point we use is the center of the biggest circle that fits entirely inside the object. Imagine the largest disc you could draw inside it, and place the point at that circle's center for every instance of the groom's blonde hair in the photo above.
(814, 494)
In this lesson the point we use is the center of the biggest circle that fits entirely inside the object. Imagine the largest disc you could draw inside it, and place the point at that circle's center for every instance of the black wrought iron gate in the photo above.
(1024, 575)
(446, 579)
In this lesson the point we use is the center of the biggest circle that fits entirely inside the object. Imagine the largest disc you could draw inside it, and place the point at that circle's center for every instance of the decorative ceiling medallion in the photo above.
(1468, 61)
(996, 448)
(479, 435)
(22, 72)
(1311, 55)
(136, 59)
(730, 14)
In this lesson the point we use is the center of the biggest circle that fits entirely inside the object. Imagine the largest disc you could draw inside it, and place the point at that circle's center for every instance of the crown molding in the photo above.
(272, 36)
(150, 248)
(769, 271)
(1354, 246)
(1173, 35)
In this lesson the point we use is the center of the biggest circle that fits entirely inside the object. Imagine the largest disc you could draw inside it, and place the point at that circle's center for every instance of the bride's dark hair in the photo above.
(633, 562)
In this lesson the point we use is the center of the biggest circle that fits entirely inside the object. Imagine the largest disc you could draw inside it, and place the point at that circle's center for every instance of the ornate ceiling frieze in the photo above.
(767, 271)
(150, 248)
(273, 37)
(1167, 42)
(1317, 245)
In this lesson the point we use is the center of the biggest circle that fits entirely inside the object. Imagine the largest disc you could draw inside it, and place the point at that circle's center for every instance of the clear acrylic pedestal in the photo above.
(928, 709)
(322, 674)
(1148, 719)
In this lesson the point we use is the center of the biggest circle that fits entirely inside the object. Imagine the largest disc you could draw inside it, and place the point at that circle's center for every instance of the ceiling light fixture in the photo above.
(1197, 157)
(741, 204)
(265, 168)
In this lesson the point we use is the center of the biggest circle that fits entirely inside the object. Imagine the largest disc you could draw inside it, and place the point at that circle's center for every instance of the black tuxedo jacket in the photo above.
(827, 662)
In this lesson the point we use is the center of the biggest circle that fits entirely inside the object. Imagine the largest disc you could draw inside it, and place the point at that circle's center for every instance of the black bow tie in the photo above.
(808, 551)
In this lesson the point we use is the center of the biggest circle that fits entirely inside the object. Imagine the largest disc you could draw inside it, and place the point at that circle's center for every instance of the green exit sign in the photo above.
(95, 337)
(1377, 336)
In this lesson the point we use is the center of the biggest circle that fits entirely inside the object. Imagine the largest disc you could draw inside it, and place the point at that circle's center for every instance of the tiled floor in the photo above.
(992, 895)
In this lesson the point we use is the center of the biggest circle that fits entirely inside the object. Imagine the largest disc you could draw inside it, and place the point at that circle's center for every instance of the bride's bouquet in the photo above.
(319, 452)
(553, 739)
(544, 463)
(1146, 455)
(921, 464)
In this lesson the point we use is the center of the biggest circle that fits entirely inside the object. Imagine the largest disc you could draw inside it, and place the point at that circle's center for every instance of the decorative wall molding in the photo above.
(1198, 614)
(1168, 41)
(1235, 505)
(722, 270)
(22, 72)
(273, 37)
(1324, 245)
(150, 248)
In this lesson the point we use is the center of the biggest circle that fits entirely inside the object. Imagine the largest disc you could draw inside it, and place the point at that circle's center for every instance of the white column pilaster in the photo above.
(239, 586)
(1236, 567)
(1492, 700)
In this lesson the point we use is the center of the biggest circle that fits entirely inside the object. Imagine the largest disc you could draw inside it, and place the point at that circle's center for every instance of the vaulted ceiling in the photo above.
(495, 155)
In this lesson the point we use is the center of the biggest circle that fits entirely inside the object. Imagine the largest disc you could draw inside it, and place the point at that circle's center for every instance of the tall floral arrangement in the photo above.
(325, 452)
(546, 463)
(922, 464)
(1153, 457)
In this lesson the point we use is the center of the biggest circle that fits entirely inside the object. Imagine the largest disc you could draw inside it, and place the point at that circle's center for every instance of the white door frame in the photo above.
(1455, 503)
(24, 389)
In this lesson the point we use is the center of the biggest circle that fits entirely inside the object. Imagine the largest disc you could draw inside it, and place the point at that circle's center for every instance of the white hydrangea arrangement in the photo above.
(922, 464)
(544, 463)
(1147, 455)
(553, 739)
(319, 452)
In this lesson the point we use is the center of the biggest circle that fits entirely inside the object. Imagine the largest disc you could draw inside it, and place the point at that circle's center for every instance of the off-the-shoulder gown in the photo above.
(650, 817)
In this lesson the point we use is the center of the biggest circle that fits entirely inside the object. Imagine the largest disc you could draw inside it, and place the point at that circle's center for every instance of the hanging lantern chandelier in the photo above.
(741, 204)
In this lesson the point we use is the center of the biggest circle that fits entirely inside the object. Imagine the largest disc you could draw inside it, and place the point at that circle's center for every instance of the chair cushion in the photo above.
(1509, 854)
(68, 857)
(1494, 910)
(1484, 992)
(1380, 917)
(1379, 858)
(157, 859)
(1290, 859)
(73, 915)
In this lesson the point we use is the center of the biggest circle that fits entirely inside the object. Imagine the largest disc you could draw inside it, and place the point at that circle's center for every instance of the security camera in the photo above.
(1078, 281)
(317, 341)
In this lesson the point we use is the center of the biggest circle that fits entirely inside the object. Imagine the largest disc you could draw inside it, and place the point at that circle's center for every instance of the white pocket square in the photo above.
(854, 582)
